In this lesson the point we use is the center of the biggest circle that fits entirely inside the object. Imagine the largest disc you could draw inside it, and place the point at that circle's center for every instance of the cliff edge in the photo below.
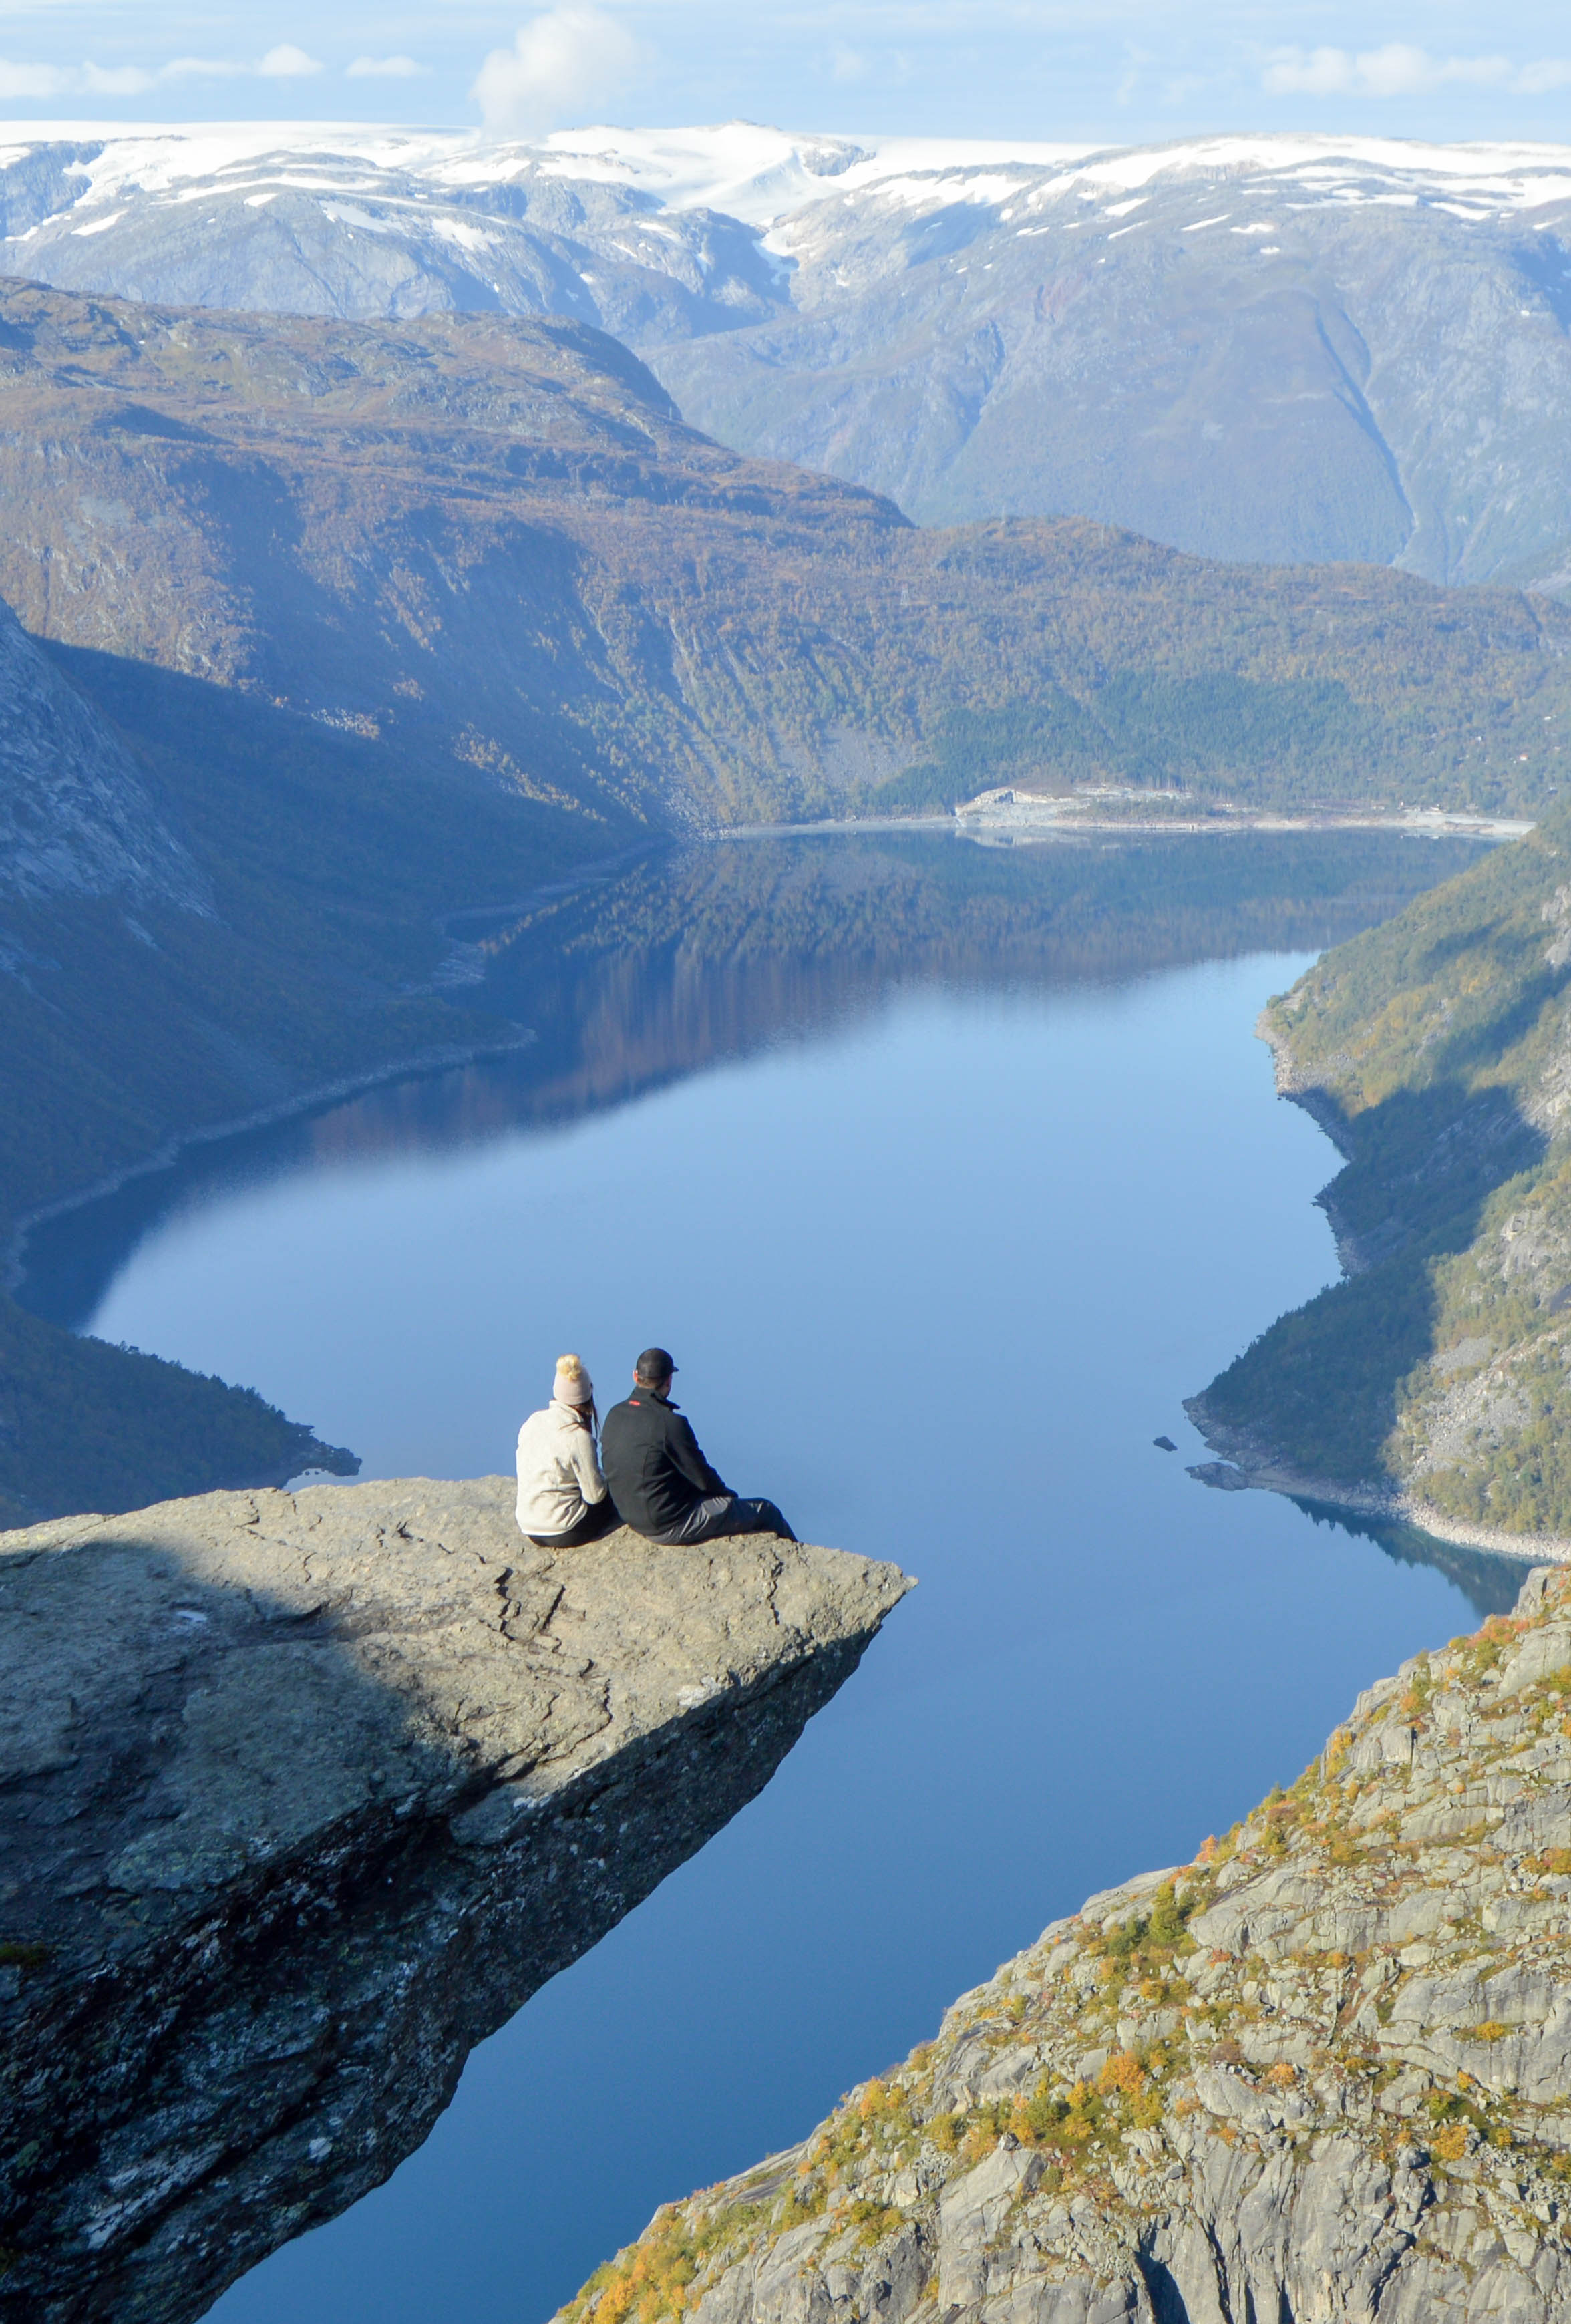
(1324, 2072)
(301, 1797)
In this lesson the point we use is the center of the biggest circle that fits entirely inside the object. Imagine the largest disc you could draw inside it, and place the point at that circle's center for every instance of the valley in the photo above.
(994, 1100)
(359, 626)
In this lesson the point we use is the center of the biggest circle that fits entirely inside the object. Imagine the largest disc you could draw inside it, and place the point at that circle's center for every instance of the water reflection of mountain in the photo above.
(708, 955)
(692, 958)
(1488, 1579)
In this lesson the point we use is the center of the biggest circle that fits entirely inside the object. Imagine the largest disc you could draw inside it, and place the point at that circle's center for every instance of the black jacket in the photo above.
(652, 1463)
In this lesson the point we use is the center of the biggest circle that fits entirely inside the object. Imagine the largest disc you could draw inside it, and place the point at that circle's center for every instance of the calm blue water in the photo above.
(937, 1264)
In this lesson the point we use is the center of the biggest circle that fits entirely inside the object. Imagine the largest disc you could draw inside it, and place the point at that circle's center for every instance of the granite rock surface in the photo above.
(1322, 2072)
(302, 1796)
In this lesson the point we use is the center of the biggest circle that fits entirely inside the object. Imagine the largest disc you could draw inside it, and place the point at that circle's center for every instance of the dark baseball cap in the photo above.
(656, 1364)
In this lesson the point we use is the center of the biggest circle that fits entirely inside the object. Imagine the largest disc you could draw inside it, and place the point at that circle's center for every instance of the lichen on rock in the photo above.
(1322, 2071)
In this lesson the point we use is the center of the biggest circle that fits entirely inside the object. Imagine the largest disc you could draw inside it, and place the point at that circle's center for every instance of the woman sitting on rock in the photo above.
(562, 1495)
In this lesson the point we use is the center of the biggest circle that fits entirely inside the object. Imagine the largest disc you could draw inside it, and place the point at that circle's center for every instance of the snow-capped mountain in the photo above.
(1274, 347)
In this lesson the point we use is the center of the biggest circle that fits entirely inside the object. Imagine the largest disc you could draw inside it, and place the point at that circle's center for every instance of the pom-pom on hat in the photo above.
(572, 1384)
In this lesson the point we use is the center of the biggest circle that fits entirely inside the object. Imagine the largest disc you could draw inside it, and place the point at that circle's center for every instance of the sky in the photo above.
(1107, 72)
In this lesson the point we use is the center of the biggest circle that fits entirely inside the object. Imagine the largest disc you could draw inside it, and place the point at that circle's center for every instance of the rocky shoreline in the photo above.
(304, 1796)
(1247, 1465)
(1323, 2072)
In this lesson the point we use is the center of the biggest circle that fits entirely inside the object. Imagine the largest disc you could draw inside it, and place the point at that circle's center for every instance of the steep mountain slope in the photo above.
(1246, 349)
(74, 815)
(488, 552)
(1269, 347)
(472, 542)
(129, 980)
(1321, 2073)
(1436, 1052)
(208, 906)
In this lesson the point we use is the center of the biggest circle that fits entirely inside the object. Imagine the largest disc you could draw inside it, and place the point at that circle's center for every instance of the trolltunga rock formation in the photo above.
(302, 1796)
(1322, 2072)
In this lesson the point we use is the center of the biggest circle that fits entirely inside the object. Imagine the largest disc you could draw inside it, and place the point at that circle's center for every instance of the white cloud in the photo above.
(384, 68)
(116, 80)
(89, 80)
(32, 81)
(200, 69)
(848, 65)
(285, 62)
(1397, 69)
(568, 61)
(1548, 73)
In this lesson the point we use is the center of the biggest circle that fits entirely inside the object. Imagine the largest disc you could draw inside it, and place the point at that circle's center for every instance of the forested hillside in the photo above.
(486, 552)
(1436, 1051)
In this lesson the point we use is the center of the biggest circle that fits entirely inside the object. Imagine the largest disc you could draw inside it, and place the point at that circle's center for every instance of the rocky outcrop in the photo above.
(305, 1795)
(1323, 2072)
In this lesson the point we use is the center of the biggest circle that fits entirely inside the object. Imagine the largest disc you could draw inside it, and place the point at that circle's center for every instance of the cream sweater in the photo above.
(558, 1471)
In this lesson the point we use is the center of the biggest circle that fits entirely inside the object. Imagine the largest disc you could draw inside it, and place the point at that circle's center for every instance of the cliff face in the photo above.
(302, 1797)
(1324, 2072)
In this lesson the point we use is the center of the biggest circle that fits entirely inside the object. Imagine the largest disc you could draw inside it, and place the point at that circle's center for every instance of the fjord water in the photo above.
(946, 1177)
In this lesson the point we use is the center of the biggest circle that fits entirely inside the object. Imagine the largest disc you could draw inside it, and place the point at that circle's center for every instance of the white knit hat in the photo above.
(572, 1384)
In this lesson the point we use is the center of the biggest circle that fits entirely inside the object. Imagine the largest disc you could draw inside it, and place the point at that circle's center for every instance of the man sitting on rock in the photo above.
(661, 1483)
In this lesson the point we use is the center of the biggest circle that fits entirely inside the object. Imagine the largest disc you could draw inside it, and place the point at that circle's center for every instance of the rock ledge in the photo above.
(302, 1796)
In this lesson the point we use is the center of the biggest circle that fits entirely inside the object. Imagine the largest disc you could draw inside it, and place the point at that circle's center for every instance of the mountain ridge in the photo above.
(974, 329)
(634, 623)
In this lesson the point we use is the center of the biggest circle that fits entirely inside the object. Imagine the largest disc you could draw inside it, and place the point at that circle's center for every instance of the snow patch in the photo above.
(464, 237)
(350, 214)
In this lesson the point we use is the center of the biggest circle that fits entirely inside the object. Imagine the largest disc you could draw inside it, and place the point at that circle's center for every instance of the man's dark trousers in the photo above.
(723, 1513)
